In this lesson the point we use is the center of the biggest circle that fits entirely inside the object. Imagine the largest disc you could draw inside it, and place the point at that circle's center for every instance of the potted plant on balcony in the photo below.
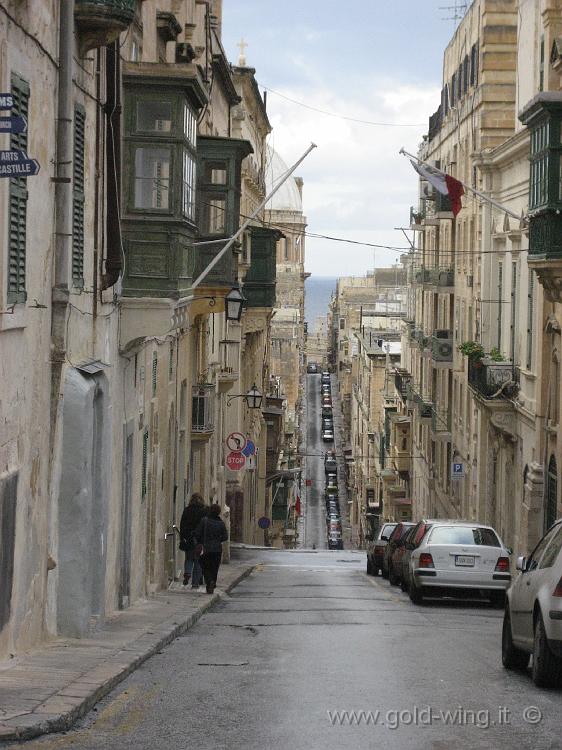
(474, 351)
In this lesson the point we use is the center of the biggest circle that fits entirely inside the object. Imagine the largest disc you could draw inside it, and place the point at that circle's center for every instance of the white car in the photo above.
(460, 556)
(533, 614)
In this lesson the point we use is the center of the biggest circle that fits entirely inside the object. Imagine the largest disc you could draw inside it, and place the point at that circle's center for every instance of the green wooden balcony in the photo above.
(259, 284)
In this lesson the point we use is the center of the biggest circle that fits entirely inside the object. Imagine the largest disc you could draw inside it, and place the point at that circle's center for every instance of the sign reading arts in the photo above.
(14, 162)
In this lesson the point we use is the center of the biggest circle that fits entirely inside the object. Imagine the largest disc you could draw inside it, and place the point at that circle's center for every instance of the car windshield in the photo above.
(465, 535)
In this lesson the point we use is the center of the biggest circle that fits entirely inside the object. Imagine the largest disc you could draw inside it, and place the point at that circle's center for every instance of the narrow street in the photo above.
(310, 633)
(315, 509)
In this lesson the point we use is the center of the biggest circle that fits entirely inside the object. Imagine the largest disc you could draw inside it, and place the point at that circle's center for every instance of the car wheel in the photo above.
(375, 570)
(384, 572)
(369, 568)
(392, 577)
(547, 668)
(415, 594)
(403, 584)
(512, 657)
(497, 599)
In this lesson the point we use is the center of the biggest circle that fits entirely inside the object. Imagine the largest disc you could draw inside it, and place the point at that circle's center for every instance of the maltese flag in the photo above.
(443, 183)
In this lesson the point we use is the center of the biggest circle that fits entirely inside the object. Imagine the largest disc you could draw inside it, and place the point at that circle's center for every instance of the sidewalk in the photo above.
(48, 689)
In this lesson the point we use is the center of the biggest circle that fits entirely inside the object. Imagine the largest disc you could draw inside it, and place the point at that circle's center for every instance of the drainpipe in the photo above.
(113, 261)
(63, 200)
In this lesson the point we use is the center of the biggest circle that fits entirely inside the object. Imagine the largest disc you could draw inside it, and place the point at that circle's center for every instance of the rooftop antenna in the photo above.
(457, 11)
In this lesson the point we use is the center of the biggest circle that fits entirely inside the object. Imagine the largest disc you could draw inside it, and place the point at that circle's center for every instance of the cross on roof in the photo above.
(242, 58)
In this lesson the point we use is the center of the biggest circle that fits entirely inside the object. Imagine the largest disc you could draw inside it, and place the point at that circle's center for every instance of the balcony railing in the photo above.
(422, 276)
(229, 360)
(401, 380)
(101, 21)
(492, 379)
(441, 421)
(202, 412)
(442, 277)
(425, 408)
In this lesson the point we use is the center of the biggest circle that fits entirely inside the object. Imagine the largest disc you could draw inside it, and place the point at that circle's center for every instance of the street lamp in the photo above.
(253, 398)
(233, 304)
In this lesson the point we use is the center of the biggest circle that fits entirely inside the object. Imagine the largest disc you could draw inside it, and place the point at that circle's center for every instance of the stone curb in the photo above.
(59, 712)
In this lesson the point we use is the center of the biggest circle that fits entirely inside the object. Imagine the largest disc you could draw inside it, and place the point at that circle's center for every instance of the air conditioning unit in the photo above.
(427, 191)
(442, 346)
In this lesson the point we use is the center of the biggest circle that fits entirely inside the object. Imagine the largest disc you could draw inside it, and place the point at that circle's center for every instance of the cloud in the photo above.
(356, 184)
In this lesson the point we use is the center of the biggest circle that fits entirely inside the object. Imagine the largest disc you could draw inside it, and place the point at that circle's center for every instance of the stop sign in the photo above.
(235, 461)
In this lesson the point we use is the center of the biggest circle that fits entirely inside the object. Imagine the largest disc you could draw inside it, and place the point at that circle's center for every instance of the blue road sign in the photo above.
(249, 449)
(264, 522)
(13, 124)
(6, 101)
(16, 163)
(457, 471)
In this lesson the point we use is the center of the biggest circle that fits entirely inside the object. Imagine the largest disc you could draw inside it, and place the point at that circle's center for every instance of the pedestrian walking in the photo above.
(191, 516)
(210, 534)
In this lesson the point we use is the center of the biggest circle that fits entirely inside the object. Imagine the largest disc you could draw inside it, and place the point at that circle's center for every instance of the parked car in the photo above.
(312, 368)
(375, 550)
(395, 561)
(330, 463)
(412, 543)
(328, 435)
(460, 556)
(332, 495)
(399, 530)
(327, 412)
(331, 482)
(532, 621)
(335, 542)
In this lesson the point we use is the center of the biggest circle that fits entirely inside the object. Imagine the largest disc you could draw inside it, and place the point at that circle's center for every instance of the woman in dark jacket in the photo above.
(211, 533)
(191, 516)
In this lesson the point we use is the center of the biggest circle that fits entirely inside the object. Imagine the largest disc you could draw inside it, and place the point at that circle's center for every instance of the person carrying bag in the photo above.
(210, 534)
(190, 520)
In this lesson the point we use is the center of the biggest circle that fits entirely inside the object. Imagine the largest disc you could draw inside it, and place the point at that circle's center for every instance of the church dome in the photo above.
(288, 197)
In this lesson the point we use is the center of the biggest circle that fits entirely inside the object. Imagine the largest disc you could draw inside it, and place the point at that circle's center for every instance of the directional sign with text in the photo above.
(235, 461)
(13, 124)
(15, 163)
(6, 101)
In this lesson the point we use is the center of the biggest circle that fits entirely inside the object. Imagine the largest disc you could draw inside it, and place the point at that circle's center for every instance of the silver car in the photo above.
(533, 614)
(461, 556)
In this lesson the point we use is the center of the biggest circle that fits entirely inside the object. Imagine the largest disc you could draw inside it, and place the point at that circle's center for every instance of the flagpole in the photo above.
(478, 193)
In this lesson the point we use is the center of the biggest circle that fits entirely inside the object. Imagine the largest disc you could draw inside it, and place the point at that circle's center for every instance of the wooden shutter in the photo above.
(17, 204)
(530, 319)
(78, 198)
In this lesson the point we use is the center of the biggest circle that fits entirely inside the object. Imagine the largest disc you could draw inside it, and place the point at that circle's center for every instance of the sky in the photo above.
(375, 60)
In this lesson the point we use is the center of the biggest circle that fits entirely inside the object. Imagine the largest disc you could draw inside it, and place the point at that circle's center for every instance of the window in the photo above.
(154, 116)
(188, 187)
(78, 198)
(465, 74)
(464, 535)
(154, 373)
(474, 65)
(171, 362)
(553, 549)
(453, 89)
(530, 318)
(538, 188)
(152, 177)
(551, 493)
(342, 324)
(513, 309)
(17, 208)
(541, 65)
(216, 214)
(500, 310)
(144, 463)
(537, 553)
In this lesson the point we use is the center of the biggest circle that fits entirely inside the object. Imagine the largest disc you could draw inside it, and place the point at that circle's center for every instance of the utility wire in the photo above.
(345, 117)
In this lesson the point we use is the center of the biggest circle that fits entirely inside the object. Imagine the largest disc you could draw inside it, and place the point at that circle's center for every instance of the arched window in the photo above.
(551, 493)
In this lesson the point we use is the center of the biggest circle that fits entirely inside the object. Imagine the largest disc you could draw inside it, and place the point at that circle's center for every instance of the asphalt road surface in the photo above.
(315, 506)
(309, 633)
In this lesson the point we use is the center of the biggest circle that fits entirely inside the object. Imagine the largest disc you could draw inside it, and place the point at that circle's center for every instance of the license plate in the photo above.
(466, 561)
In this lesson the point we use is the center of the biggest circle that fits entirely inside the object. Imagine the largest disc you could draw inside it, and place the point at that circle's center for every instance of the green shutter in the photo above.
(144, 462)
(78, 198)
(17, 204)
(154, 373)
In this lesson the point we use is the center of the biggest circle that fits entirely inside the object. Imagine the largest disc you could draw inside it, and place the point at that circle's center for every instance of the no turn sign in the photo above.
(235, 461)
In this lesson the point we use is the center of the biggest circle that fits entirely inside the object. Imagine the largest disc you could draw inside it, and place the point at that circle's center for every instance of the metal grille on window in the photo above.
(17, 217)
(78, 198)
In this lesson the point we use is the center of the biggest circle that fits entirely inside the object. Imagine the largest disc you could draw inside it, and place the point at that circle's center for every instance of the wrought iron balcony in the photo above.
(441, 424)
(101, 21)
(442, 277)
(425, 408)
(402, 379)
(202, 411)
(422, 276)
(491, 379)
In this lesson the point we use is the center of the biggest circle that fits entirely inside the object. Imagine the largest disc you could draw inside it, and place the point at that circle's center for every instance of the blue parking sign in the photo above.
(457, 471)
